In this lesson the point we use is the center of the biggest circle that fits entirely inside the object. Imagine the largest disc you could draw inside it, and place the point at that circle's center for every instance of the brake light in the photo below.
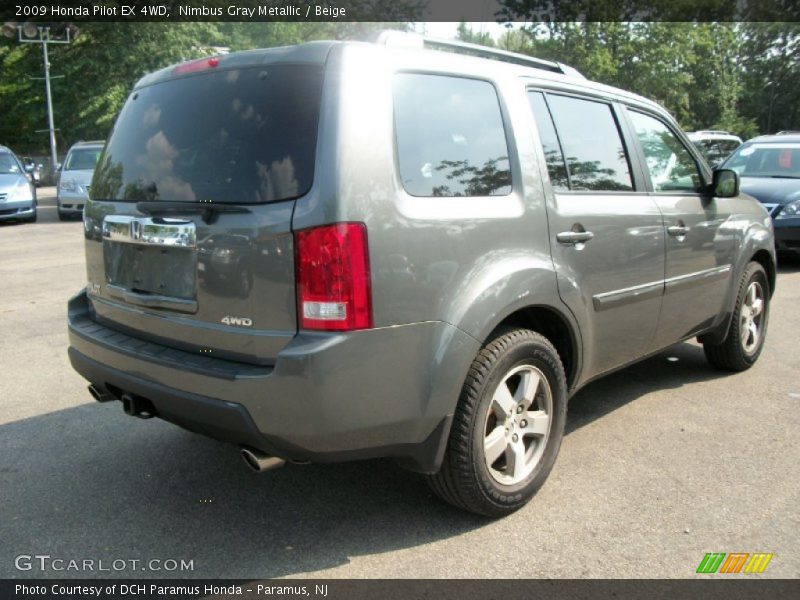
(333, 283)
(196, 65)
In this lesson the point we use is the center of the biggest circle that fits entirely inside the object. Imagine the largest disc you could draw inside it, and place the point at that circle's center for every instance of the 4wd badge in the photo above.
(237, 321)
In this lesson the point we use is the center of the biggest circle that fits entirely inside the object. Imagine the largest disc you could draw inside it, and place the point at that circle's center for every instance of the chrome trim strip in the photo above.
(629, 295)
(644, 291)
(154, 231)
(682, 282)
(152, 300)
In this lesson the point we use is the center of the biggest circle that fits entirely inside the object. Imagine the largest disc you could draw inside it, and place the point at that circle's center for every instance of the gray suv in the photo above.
(339, 250)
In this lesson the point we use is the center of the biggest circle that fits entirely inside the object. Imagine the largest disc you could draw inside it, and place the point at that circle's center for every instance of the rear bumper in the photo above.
(386, 392)
(71, 203)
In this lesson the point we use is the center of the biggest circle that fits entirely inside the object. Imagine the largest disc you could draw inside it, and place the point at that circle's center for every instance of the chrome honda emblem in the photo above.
(136, 229)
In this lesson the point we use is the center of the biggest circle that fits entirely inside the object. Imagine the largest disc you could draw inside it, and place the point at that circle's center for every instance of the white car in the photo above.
(714, 145)
(75, 178)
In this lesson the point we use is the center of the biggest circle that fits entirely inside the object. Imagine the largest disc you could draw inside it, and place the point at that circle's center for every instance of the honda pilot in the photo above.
(412, 249)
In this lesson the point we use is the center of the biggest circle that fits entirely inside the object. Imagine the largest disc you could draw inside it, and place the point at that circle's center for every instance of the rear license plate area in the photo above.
(142, 268)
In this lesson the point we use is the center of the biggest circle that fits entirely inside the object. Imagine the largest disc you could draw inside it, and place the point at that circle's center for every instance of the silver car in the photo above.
(339, 250)
(75, 178)
(17, 192)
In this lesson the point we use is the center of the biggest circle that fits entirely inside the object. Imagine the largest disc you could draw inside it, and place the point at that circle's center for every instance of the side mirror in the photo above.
(58, 167)
(28, 167)
(725, 183)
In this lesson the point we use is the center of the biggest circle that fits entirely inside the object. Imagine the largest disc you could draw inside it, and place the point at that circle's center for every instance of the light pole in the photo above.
(30, 33)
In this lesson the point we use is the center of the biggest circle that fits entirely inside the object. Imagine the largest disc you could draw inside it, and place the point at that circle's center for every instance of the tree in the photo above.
(103, 64)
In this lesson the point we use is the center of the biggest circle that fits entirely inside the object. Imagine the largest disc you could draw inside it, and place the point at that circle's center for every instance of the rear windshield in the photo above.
(234, 136)
(84, 159)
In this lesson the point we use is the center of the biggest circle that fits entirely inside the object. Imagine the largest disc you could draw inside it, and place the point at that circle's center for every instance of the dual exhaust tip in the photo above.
(136, 406)
(260, 462)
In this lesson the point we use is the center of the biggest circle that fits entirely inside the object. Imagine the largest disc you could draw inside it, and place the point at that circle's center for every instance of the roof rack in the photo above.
(402, 39)
(788, 132)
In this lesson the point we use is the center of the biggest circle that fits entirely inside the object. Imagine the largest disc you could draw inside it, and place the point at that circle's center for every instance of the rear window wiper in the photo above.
(209, 210)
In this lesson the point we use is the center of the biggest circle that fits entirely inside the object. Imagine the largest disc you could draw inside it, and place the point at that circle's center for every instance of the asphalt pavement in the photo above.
(663, 462)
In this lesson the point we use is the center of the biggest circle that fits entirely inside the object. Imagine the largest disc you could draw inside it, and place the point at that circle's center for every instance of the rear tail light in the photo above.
(333, 284)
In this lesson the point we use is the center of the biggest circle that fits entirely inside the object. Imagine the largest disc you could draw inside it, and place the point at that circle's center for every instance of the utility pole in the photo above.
(30, 33)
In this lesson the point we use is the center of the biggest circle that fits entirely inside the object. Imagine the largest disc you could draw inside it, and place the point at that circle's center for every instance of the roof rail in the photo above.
(402, 39)
(715, 131)
(788, 132)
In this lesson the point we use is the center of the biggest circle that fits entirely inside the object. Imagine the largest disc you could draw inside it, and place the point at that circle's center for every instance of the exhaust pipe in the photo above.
(137, 406)
(260, 462)
(99, 394)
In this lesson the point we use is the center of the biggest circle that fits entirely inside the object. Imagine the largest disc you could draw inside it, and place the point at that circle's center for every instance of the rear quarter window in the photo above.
(450, 136)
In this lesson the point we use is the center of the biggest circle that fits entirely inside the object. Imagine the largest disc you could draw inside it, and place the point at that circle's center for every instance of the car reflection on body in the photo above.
(224, 265)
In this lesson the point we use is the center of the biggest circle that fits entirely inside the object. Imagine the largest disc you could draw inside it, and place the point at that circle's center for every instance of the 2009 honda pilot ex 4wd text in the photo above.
(337, 250)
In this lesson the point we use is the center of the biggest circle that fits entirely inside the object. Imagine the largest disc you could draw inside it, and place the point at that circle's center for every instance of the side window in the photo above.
(595, 155)
(553, 156)
(450, 136)
(671, 166)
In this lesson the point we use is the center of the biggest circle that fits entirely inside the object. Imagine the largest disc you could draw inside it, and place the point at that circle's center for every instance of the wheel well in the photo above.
(554, 327)
(765, 260)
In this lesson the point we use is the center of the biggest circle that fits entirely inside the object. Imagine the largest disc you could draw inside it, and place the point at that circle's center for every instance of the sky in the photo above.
(448, 30)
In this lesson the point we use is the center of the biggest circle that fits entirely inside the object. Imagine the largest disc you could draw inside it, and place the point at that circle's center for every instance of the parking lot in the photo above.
(662, 462)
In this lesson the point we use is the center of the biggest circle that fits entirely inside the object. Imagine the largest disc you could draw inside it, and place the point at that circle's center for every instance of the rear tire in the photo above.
(748, 328)
(507, 427)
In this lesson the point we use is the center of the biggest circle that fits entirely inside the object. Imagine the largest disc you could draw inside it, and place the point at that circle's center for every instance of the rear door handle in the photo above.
(677, 230)
(574, 237)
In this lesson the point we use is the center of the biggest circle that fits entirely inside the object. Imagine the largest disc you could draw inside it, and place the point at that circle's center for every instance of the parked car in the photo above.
(769, 166)
(715, 145)
(17, 192)
(444, 248)
(75, 178)
(33, 169)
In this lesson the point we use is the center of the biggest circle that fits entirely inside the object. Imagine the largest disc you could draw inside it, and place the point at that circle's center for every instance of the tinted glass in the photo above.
(671, 166)
(84, 159)
(592, 144)
(450, 137)
(237, 136)
(547, 136)
(766, 160)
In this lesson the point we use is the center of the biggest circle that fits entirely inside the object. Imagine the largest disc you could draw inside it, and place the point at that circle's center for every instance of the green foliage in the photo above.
(741, 77)
(465, 34)
(98, 70)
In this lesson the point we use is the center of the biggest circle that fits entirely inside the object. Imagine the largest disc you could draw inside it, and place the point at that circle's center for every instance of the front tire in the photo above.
(748, 328)
(507, 427)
